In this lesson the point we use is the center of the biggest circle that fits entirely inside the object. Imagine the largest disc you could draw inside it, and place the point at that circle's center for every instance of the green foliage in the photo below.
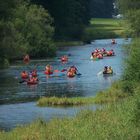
(6, 7)
(114, 121)
(113, 94)
(4, 63)
(25, 28)
(64, 101)
(131, 11)
(126, 5)
(35, 26)
(136, 111)
(68, 43)
(133, 19)
(101, 8)
(70, 17)
(132, 70)
(103, 28)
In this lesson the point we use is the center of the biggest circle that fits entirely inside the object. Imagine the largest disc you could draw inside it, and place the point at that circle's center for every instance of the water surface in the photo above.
(17, 106)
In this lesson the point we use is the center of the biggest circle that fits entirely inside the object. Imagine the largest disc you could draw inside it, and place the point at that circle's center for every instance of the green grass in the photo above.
(52, 101)
(113, 94)
(68, 43)
(113, 122)
(104, 28)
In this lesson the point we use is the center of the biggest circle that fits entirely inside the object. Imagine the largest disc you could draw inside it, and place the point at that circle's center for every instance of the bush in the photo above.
(132, 71)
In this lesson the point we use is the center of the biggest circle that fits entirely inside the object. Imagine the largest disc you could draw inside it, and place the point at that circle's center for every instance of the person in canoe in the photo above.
(34, 73)
(32, 80)
(108, 70)
(112, 52)
(100, 56)
(105, 70)
(24, 75)
(64, 58)
(72, 71)
(49, 69)
(103, 50)
(113, 41)
(26, 59)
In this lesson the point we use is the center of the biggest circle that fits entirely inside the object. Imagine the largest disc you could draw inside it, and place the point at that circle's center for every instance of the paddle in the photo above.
(56, 71)
(100, 72)
(63, 70)
(22, 81)
(78, 74)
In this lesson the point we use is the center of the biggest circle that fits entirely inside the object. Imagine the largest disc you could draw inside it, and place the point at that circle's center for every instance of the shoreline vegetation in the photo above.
(114, 120)
(112, 94)
(99, 28)
(118, 118)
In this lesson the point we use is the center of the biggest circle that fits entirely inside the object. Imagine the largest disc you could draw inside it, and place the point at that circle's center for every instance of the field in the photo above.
(100, 28)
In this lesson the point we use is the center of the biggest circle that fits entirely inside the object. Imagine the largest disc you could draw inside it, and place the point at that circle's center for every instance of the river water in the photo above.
(17, 101)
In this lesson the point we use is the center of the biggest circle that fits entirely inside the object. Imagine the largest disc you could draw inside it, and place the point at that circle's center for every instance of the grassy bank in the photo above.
(104, 28)
(68, 43)
(52, 101)
(99, 28)
(113, 94)
(113, 122)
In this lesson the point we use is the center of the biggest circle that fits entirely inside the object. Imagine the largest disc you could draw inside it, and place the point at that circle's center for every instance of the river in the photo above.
(18, 101)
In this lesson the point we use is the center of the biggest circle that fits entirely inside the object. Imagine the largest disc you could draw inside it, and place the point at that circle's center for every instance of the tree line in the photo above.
(24, 28)
(30, 26)
(131, 11)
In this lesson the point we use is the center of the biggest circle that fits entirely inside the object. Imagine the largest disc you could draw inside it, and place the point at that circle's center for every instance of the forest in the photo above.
(32, 27)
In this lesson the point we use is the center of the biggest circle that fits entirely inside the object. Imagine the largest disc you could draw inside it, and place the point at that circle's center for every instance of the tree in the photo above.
(34, 23)
(70, 16)
(25, 28)
(101, 8)
(131, 11)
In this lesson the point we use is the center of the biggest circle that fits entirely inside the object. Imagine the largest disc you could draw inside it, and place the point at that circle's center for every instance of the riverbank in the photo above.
(113, 121)
(113, 94)
(104, 28)
(68, 43)
(99, 28)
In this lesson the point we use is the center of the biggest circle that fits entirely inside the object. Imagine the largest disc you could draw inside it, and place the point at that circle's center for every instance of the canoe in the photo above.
(48, 73)
(32, 83)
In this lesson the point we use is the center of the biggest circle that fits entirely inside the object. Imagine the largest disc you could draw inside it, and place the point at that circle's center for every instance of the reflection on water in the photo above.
(11, 91)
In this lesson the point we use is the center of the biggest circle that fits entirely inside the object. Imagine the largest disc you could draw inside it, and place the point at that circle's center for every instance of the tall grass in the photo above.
(49, 101)
(132, 71)
(113, 94)
(113, 122)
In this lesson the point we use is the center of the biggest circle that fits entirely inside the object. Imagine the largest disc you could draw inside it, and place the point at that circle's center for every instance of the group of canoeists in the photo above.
(100, 53)
(70, 72)
(29, 77)
(32, 77)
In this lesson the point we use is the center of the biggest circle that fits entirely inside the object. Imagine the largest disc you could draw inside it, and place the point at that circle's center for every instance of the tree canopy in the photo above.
(131, 11)
(25, 28)
(70, 16)
(101, 8)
